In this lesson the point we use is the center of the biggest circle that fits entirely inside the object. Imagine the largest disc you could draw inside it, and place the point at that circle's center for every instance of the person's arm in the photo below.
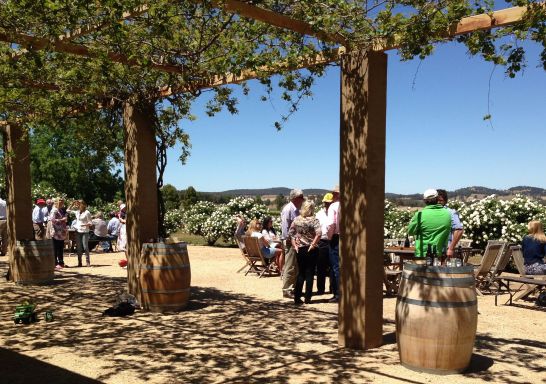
(318, 234)
(457, 235)
(412, 227)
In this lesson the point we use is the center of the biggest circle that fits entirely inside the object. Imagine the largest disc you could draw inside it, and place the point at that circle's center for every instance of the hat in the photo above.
(336, 189)
(328, 198)
(121, 207)
(430, 194)
(40, 201)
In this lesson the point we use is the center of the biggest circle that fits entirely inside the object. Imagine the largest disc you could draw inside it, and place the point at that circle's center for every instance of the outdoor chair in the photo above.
(517, 256)
(254, 251)
(250, 262)
(487, 270)
(465, 243)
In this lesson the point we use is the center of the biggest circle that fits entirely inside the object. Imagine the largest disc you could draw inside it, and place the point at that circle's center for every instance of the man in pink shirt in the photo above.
(333, 236)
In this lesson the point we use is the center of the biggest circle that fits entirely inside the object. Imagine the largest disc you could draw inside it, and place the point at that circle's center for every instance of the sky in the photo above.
(436, 134)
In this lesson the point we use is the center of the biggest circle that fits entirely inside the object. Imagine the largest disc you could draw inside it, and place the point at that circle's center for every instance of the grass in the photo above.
(200, 240)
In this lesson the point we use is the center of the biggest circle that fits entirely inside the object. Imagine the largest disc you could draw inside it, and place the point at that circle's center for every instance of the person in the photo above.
(333, 238)
(289, 212)
(47, 209)
(58, 218)
(3, 227)
(122, 237)
(83, 223)
(456, 225)
(113, 227)
(271, 235)
(100, 231)
(268, 250)
(323, 259)
(38, 219)
(306, 229)
(533, 246)
(239, 230)
(430, 225)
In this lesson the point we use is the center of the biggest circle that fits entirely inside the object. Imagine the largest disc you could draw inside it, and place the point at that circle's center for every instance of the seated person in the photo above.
(269, 232)
(268, 250)
(100, 231)
(240, 231)
(114, 225)
(533, 246)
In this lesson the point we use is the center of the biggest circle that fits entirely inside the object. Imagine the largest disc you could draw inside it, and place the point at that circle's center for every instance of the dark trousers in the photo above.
(334, 264)
(307, 262)
(323, 262)
(58, 247)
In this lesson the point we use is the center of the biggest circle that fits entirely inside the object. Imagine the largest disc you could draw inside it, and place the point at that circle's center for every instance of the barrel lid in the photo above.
(424, 268)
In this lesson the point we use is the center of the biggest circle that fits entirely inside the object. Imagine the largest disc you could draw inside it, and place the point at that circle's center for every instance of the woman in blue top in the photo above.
(534, 249)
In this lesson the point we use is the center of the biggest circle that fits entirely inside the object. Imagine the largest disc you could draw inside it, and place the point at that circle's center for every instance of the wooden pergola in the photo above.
(362, 148)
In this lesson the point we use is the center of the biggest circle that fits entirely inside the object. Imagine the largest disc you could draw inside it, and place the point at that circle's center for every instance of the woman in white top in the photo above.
(271, 235)
(268, 250)
(83, 222)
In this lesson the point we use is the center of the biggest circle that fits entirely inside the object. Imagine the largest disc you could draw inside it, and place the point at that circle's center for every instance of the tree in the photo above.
(171, 197)
(280, 201)
(189, 198)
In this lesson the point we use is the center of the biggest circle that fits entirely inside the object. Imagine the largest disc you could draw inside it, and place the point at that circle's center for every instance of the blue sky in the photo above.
(436, 135)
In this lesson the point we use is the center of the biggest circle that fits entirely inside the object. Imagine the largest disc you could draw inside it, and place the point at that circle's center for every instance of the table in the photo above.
(392, 271)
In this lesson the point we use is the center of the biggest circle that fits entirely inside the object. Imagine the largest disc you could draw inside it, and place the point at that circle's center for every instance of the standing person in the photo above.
(83, 222)
(456, 225)
(533, 247)
(306, 229)
(323, 259)
(122, 238)
(47, 209)
(289, 212)
(114, 225)
(38, 219)
(431, 225)
(58, 218)
(333, 237)
(3, 227)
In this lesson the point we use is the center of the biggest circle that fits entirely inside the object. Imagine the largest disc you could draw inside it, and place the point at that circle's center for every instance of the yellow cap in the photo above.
(328, 198)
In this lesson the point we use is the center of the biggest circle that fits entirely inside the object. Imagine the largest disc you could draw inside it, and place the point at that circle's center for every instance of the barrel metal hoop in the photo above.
(439, 281)
(165, 291)
(438, 304)
(164, 268)
(424, 268)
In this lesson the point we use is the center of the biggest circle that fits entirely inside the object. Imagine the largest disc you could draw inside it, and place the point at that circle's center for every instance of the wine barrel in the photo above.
(165, 276)
(34, 262)
(436, 318)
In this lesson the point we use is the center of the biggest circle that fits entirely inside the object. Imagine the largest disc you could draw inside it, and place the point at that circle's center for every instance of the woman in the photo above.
(305, 234)
(268, 250)
(83, 222)
(534, 249)
(122, 238)
(58, 217)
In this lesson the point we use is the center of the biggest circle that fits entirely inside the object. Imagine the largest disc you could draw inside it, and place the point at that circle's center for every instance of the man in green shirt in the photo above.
(431, 225)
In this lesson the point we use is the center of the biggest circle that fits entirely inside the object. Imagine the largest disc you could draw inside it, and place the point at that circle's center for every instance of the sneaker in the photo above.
(58, 266)
(287, 294)
(334, 299)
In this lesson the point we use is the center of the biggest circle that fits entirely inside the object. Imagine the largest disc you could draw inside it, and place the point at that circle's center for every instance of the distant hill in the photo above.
(267, 192)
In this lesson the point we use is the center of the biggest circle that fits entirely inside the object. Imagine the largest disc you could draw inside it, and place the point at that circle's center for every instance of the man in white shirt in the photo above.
(3, 227)
(333, 236)
(38, 219)
(323, 260)
(290, 270)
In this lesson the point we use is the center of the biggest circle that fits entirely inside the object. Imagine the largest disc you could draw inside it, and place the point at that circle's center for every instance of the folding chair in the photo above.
(252, 263)
(486, 271)
(517, 255)
(254, 250)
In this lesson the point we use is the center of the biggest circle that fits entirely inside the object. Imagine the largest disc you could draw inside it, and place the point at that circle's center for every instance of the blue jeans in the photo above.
(82, 241)
(334, 265)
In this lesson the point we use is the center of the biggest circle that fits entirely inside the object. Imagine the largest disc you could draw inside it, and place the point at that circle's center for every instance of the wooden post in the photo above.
(362, 187)
(140, 184)
(19, 198)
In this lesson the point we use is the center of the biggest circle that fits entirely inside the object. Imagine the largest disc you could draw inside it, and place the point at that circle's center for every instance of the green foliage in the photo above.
(280, 201)
(171, 197)
(188, 198)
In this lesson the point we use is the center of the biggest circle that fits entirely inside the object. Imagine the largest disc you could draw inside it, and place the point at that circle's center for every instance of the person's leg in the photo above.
(322, 265)
(300, 278)
(290, 270)
(4, 235)
(334, 264)
(56, 251)
(79, 247)
(310, 266)
(39, 232)
(85, 241)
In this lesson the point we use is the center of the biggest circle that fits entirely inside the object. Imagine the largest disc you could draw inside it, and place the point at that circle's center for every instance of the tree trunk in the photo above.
(140, 184)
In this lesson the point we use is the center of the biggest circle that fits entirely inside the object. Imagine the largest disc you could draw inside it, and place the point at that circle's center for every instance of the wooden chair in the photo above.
(465, 243)
(517, 256)
(487, 270)
(254, 251)
(251, 262)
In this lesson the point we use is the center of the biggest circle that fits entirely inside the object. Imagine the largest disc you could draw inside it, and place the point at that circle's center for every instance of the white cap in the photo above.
(430, 194)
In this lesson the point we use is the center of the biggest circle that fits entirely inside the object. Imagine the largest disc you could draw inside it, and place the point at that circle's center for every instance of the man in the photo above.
(100, 232)
(289, 212)
(38, 219)
(431, 225)
(333, 237)
(456, 225)
(323, 260)
(3, 227)
(114, 225)
(47, 209)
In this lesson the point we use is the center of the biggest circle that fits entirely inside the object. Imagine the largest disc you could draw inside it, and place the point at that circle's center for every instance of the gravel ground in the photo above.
(236, 329)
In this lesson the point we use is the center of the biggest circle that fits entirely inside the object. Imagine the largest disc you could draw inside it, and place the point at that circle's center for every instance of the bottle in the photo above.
(435, 261)
(406, 242)
(459, 259)
(443, 260)
(428, 258)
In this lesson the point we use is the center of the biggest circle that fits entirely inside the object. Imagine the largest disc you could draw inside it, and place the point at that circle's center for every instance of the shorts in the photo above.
(269, 252)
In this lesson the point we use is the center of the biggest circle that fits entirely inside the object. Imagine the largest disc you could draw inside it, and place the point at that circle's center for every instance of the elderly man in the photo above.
(333, 237)
(290, 270)
(39, 219)
(431, 225)
(323, 260)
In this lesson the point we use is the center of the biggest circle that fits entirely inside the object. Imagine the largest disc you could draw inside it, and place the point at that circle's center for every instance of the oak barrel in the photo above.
(165, 276)
(34, 262)
(436, 318)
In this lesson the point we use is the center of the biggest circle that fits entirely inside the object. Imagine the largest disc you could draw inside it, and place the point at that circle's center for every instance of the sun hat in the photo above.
(40, 201)
(430, 194)
(328, 198)
(336, 189)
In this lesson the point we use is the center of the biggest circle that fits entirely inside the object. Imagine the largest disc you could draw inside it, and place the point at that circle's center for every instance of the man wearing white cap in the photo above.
(431, 225)
(290, 269)
(333, 236)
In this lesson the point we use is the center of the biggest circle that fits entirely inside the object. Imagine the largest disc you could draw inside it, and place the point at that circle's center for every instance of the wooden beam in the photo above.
(273, 18)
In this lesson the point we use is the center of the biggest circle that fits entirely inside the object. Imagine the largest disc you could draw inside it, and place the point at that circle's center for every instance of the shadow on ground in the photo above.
(222, 337)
